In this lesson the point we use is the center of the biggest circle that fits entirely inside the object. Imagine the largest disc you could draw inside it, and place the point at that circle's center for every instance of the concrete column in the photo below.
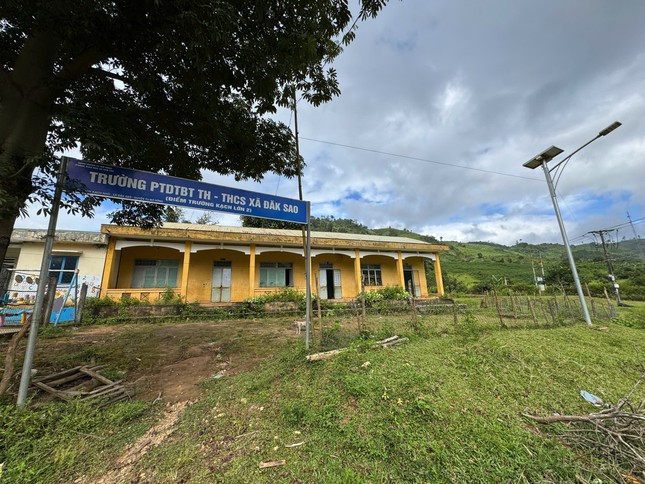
(357, 271)
(399, 270)
(107, 268)
(183, 290)
(252, 271)
(437, 275)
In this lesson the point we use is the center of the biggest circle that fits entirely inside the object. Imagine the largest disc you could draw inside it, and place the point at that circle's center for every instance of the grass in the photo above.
(440, 410)
(444, 408)
(52, 443)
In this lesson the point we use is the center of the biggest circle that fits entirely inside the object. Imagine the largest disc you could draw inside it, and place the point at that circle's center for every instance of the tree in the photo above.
(265, 223)
(173, 214)
(170, 86)
(206, 219)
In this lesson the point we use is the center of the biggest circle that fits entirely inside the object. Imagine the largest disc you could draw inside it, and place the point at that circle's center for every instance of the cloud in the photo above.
(480, 88)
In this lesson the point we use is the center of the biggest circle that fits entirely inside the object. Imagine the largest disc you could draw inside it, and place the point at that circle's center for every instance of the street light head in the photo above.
(544, 157)
(609, 129)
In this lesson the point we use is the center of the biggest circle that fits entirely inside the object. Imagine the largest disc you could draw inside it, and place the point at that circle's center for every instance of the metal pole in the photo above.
(40, 293)
(610, 267)
(567, 247)
(308, 279)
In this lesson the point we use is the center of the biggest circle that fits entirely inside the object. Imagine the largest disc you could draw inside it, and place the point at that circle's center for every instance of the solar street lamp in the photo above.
(541, 160)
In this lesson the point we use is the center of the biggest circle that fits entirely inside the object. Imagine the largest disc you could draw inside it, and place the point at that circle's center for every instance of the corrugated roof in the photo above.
(291, 233)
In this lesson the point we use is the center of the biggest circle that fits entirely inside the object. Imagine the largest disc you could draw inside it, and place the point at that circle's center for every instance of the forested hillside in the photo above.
(476, 267)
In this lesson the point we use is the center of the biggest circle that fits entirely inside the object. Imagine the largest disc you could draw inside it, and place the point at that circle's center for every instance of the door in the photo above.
(330, 283)
(221, 288)
(411, 278)
(338, 292)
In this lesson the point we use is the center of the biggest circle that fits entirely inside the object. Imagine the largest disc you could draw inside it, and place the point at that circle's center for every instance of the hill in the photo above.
(475, 267)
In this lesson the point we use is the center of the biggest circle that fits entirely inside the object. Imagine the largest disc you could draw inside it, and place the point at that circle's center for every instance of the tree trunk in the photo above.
(26, 102)
(10, 358)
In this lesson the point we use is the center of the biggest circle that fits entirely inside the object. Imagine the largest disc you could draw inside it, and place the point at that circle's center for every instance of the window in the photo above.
(276, 274)
(372, 274)
(150, 273)
(62, 267)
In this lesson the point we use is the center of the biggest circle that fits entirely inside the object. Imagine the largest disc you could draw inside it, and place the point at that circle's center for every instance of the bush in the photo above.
(169, 297)
(256, 304)
(95, 301)
(374, 299)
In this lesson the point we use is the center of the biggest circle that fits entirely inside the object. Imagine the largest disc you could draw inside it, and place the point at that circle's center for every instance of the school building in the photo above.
(212, 264)
(78, 258)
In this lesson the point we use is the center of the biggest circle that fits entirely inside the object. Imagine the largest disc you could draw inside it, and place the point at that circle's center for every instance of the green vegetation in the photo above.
(475, 267)
(444, 408)
(47, 443)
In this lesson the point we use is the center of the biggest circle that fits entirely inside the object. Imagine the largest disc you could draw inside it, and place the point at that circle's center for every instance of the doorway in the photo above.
(411, 277)
(221, 288)
(330, 282)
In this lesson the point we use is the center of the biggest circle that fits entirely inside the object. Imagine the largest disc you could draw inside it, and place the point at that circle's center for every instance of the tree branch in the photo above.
(109, 75)
(80, 65)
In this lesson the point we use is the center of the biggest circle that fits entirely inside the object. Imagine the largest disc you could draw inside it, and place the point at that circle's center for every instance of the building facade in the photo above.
(211, 264)
(77, 258)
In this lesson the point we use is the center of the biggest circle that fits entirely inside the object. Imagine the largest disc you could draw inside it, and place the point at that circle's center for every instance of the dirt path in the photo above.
(122, 469)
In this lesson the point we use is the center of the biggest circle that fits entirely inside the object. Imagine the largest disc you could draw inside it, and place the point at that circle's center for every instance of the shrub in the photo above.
(169, 297)
(103, 301)
(376, 298)
(256, 304)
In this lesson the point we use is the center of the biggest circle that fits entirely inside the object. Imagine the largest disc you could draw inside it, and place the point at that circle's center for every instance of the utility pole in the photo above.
(632, 226)
(610, 268)
(538, 280)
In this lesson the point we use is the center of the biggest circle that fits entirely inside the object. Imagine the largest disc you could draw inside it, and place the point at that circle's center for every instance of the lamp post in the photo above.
(541, 160)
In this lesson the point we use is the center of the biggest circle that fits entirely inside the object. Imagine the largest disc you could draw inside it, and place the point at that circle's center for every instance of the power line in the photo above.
(425, 160)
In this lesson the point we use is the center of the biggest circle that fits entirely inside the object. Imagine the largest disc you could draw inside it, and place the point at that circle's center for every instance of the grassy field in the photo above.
(446, 407)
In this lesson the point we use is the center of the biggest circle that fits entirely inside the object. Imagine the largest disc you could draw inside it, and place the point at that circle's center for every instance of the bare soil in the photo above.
(163, 362)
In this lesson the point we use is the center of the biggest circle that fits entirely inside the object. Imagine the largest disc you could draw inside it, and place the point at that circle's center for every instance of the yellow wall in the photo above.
(129, 254)
(200, 275)
(90, 260)
(388, 270)
(201, 270)
(342, 262)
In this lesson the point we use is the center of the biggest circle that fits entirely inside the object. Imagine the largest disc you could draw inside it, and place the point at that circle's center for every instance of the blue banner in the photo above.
(143, 186)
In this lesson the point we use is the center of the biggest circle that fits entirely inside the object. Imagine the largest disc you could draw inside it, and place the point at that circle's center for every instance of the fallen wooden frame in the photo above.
(391, 341)
(84, 383)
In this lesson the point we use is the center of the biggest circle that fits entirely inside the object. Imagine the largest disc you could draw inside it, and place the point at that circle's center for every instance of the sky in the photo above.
(443, 101)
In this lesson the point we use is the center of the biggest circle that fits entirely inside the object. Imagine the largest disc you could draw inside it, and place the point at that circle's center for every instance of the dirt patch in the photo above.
(164, 361)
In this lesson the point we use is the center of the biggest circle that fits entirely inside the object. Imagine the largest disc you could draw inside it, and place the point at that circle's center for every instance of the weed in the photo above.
(169, 297)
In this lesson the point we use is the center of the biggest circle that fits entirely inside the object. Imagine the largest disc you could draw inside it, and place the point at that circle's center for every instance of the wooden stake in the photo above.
(81, 303)
(412, 304)
(10, 358)
(363, 298)
(499, 310)
(532, 310)
(454, 314)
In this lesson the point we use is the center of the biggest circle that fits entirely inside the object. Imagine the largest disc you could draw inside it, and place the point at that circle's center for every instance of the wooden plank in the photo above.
(69, 378)
(96, 375)
(59, 374)
(99, 390)
(52, 391)
(105, 391)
